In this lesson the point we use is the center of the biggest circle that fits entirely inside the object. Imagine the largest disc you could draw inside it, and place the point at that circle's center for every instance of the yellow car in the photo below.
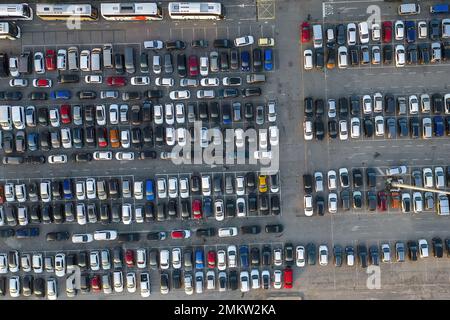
(262, 183)
(266, 42)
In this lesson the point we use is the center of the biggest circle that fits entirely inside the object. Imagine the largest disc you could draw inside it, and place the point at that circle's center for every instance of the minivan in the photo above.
(25, 63)
(108, 56)
(73, 58)
(157, 64)
(95, 59)
(129, 60)
(168, 67)
(408, 9)
(317, 36)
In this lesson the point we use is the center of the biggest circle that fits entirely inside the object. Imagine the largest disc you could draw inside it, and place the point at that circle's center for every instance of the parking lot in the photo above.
(288, 83)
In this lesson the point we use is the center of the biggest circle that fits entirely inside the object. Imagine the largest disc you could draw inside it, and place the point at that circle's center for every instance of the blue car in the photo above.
(207, 207)
(199, 259)
(245, 61)
(410, 27)
(243, 255)
(438, 126)
(268, 59)
(32, 141)
(67, 189)
(27, 233)
(149, 194)
(60, 95)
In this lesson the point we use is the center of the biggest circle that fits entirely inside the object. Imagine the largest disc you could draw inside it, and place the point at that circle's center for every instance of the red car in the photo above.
(193, 66)
(116, 81)
(50, 59)
(102, 137)
(2, 196)
(305, 30)
(65, 114)
(180, 234)
(288, 278)
(96, 284)
(211, 259)
(42, 83)
(129, 258)
(387, 31)
(197, 209)
(382, 201)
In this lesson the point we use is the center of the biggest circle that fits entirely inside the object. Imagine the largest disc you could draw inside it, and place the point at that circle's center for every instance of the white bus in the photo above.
(66, 12)
(196, 10)
(16, 12)
(131, 11)
(9, 31)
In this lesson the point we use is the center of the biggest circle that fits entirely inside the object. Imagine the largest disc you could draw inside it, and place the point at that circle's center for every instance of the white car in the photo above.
(219, 210)
(439, 177)
(399, 28)
(209, 82)
(332, 180)
(376, 32)
(114, 114)
(179, 113)
(271, 111)
(277, 276)
(277, 256)
(164, 259)
(188, 82)
(331, 108)
(154, 44)
(37, 263)
(90, 188)
(39, 63)
(205, 94)
(243, 41)
(61, 59)
(254, 275)
(94, 260)
(169, 113)
(351, 34)
(204, 66)
(332, 202)
(184, 188)
(102, 155)
(122, 156)
(176, 258)
(158, 114)
(140, 81)
(221, 260)
(300, 256)
(228, 232)
(82, 238)
(422, 29)
(323, 255)
(427, 128)
(3, 263)
(428, 178)
(377, 102)
(386, 253)
(342, 57)
(240, 208)
(445, 28)
(94, 79)
(308, 59)
(179, 94)
(60, 264)
(318, 178)
(262, 139)
(396, 170)
(105, 235)
(379, 126)
(273, 135)
(400, 55)
(245, 281)
(167, 82)
(417, 202)
(126, 213)
(210, 280)
(173, 187)
(232, 256)
(56, 159)
(423, 248)
(447, 103)
(308, 205)
(144, 284)
(343, 130)
(85, 60)
(308, 130)
(14, 286)
(118, 281)
(18, 83)
(131, 282)
(355, 126)
(367, 104)
(161, 187)
(413, 104)
(363, 28)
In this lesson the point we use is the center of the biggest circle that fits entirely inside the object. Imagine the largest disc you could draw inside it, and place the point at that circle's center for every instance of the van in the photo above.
(73, 58)
(96, 64)
(157, 64)
(118, 281)
(439, 8)
(317, 36)
(206, 185)
(408, 9)
(129, 60)
(5, 118)
(18, 117)
(68, 78)
(108, 56)
(256, 78)
(25, 63)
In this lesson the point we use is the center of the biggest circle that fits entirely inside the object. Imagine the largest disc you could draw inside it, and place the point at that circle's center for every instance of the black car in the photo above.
(82, 157)
(371, 177)
(362, 253)
(438, 247)
(159, 135)
(320, 107)
(7, 233)
(129, 237)
(289, 254)
(412, 249)
(222, 43)
(233, 280)
(230, 208)
(39, 287)
(435, 29)
(223, 61)
(389, 104)
(437, 102)
(147, 155)
(248, 111)
(263, 204)
(331, 58)
(207, 232)
(338, 255)
(274, 228)
(354, 55)
(355, 106)
(319, 58)
(424, 53)
(143, 62)
(82, 260)
(38, 96)
(43, 117)
(2, 286)
(252, 203)
(387, 54)
(311, 253)
(343, 107)
(154, 94)
(368, 127)
(181, 65)
(257, 60)
(403, 127)
(136, 138)
(119, 60)
(411, 54)
(175, 45)
(275, 205)
(199, 43)
(234, 59)
(57, 236)
(415, 127)
(341, 34)
(214, 112)
(308, 183)
(332, 129)
(250, 229)
(319, 129)
(357, 178)
(320, 205)
(172, 208)
(227, 93)
(156, 236)
(374, 255)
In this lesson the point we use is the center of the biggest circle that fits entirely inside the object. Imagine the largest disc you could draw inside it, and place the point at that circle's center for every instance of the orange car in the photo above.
(395, 200)
(114, 138)
(2, 195)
